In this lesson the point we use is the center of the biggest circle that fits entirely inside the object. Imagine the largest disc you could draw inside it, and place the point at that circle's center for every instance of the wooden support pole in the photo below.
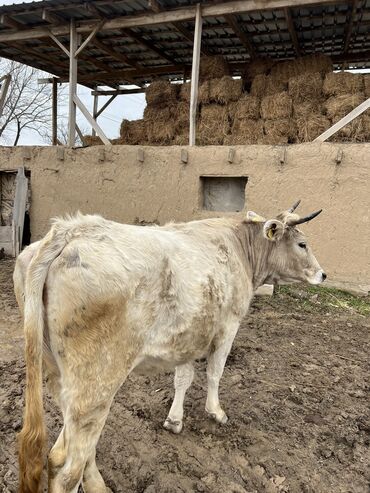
(95, 110)
(5, 82)
(90, 119)
(105, 105)
(195, 75)
(54, 112)
(72, 85)
(90, 37)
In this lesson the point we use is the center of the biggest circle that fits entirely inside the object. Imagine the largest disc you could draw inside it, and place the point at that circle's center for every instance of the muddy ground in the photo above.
(295, 388)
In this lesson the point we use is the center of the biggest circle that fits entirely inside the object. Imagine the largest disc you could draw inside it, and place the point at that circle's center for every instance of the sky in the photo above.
(130, 107)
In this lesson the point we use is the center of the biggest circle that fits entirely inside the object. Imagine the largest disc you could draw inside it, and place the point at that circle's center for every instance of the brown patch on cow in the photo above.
(167, 279)
(222, 254)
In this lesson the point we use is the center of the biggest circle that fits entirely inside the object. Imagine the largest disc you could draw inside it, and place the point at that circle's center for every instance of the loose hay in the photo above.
(245, 131)
(303, 65)
(306, 87)
(214, 124)
(367, 85)
(311, 126)
(213, 67)
(306, 108)
(181, 139)
(281, 131)
(258, 87)
(247, 107)
(91, 140)
(185, 91)
(276, 106)
(225, 89)
(133, 132)
(266, 85)
(343, 83)
(358, 130)
(161, 92)
(337, 107)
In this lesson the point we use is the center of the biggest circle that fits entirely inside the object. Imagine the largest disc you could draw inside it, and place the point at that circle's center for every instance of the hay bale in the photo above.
(185, 91)
(160, 92)
(266, 85)
(204, 91)
(213, 67)
(311, 126)
(303, 65)
(342, 83)
(247, 107)
(161, 113)
(258, 66)
(245, 131)
(214, 124)
(281, 131)
(160, 133)
(358, 130)
(367, 85)
(225, 89)
(306, 108)
(91, 140)
(182, 115)
(276, 106)
(306, 87)
(337, 107)
(133, 132)
(181, 139)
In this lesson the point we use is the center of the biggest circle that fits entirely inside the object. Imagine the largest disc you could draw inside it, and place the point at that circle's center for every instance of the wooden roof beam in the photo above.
(169, 16)
(148, 45)
(6, 20)
(50, 17)
(157, 8)
(242, 35)
(292, 31)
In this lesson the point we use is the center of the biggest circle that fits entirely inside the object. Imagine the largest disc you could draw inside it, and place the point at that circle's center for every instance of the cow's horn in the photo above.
(305, 219)
(294, 206)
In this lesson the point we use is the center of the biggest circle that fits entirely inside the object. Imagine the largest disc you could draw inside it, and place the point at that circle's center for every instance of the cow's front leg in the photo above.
(183, 377)
(215, 367)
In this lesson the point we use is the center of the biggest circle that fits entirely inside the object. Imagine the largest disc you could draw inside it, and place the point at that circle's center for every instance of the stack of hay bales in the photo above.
(212, 67)
(345, 91)
(276, 111)
(247, 127)
(217, 99)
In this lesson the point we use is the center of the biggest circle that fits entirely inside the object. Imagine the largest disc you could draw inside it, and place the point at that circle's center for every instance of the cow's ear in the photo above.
(273, 230)
(254, 217)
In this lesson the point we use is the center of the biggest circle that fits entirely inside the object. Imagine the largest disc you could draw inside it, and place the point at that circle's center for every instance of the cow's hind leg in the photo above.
(74, 451)
(183, 377)
(215, 368)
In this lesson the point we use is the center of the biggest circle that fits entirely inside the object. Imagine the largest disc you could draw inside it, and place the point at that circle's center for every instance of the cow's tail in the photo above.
(33, 435)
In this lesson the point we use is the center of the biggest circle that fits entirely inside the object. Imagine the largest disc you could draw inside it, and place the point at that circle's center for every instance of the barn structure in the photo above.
(121, 47)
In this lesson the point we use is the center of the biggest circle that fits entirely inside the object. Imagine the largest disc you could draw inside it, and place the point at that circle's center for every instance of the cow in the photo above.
(103, 299)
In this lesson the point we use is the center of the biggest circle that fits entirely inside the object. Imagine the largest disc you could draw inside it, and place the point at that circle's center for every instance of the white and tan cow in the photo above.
(103, 299)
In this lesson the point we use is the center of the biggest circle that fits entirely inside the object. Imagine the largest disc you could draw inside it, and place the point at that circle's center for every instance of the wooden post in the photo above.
(195, 75)
(54, 113)
(95, 110)
(72, 84)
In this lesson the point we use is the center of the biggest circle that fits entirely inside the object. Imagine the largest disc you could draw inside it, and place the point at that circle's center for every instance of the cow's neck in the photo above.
(255, 252)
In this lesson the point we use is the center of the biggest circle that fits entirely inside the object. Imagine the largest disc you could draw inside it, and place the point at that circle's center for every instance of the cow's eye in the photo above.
(302, 245)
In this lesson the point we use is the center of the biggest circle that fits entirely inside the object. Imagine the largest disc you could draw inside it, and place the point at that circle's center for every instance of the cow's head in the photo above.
(290, 258)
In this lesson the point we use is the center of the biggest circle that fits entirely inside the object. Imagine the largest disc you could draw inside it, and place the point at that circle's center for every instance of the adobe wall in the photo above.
(114, 182)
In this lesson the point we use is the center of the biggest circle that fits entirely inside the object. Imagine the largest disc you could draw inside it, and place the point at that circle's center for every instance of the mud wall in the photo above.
(153, 184)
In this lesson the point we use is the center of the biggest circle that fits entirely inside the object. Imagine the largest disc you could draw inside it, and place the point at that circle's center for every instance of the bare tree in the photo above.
(27, 105)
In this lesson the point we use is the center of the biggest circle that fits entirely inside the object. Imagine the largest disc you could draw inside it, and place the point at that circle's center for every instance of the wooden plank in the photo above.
(117, 92)
(350, 26)
(105, 105)
(72, 85)
(168, 16)
(347, 119)
(58, 43)
(4, 90)
(19, 210)
(90, 37)
(195, 76)
(91, 120)
(292, 31)
(95, 110)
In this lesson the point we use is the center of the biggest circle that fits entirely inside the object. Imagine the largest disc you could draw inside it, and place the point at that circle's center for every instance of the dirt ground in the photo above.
(295, 388)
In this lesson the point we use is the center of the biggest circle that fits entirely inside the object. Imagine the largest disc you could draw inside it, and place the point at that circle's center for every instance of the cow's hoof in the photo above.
(220, 417)
(175, 426)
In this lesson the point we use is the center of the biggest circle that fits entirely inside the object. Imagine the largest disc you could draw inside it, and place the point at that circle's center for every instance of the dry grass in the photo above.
(303, 65)
(161, 92)
(367, 85)
(245, 131)
(214, 124)
(311, 126)
(337, 107)
(267, 85)
(276, 106)
(204, 92)
(282, 131)
(306, 108)
(185, 92)
(247, 107)
(213, 67)
(90, 140)
(259, 66)
(225, 89)
(358, 130)
(133, 132)
(339, 83)
(306, 87)
(182, 117)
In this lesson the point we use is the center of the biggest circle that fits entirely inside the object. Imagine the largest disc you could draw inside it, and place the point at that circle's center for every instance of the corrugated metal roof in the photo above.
(140, 53)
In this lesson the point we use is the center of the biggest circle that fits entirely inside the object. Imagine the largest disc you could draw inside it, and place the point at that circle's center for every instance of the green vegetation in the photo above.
(317, 298)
